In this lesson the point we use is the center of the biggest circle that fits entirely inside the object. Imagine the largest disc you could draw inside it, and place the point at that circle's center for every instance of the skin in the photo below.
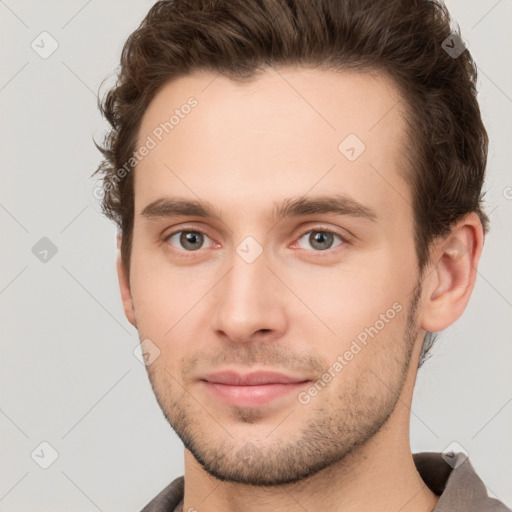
(296, 307)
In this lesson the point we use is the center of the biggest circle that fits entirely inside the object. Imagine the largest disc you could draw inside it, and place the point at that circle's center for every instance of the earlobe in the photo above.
(124, 286)
(450, 283)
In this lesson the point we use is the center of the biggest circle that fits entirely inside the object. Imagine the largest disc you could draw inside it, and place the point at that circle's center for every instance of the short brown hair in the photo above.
(239, 38)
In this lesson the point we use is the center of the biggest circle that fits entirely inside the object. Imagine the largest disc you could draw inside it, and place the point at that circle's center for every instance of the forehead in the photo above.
(288, 132)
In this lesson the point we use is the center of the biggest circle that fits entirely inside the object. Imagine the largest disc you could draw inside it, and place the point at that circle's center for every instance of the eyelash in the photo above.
(318, 229)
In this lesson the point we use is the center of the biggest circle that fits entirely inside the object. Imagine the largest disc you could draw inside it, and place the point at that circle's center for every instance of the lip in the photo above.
(233, 378)
(251, 389)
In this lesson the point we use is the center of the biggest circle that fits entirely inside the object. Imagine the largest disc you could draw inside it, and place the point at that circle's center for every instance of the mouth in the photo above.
(253, 389)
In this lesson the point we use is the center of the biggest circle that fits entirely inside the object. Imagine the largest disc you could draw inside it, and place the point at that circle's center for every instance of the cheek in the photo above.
(168, 302)
(345, 299)
(160, 303)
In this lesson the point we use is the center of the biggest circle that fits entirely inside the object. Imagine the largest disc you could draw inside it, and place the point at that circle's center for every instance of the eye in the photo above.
(191, 240)
(321, 239)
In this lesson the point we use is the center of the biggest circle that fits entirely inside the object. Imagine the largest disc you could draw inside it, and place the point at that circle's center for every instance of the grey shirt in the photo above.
(457, 484)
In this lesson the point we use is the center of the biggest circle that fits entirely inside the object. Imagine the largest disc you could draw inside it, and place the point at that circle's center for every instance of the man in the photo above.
(326, 159)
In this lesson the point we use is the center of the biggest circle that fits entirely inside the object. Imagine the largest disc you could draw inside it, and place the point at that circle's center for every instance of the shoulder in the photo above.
(167, 499)
(452, 477)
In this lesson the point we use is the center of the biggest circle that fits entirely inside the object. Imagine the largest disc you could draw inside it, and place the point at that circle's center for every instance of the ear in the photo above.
(452, 274)
(124, 286)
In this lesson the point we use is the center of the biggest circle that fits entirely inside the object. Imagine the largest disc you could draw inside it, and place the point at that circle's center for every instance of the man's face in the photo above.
(319, 297)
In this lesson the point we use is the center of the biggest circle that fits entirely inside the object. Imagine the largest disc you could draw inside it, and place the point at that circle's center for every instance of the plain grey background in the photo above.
(69, 376)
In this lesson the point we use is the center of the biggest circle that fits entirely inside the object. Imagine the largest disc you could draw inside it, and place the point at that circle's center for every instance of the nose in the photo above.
(250, 301)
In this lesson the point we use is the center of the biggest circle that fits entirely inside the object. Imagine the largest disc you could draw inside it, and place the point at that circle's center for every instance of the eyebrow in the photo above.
(339, 204)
